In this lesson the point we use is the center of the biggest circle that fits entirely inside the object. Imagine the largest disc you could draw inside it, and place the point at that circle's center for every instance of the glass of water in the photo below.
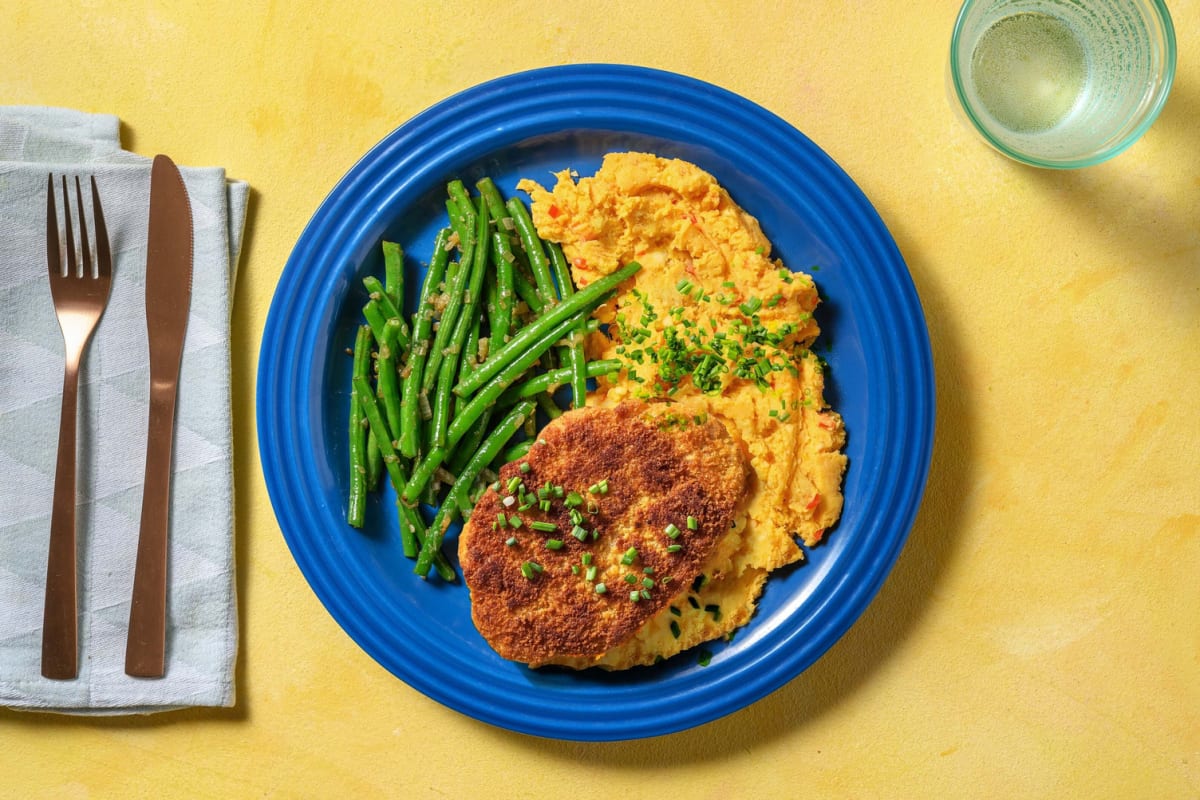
(1062, 83)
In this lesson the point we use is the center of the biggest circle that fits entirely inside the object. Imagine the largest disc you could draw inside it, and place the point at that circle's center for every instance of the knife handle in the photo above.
(145, 648)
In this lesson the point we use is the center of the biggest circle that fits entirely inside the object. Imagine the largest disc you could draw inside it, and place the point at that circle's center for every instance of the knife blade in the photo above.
(168, 297)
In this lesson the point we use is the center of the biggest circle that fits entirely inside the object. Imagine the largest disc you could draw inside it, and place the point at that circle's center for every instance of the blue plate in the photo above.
(529, 125)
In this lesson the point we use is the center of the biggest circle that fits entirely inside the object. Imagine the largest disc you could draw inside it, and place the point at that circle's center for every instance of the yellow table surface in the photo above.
(1040, 633)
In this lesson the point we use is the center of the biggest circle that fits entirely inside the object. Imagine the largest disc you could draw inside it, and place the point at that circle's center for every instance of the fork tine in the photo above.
(53, 251)
(85, 251)
(103, 256)
(72, 266)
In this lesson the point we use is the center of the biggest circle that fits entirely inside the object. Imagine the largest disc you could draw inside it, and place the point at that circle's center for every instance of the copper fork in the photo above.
(80, 290)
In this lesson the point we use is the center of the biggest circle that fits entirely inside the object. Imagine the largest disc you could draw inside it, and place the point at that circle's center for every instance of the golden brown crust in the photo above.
(660, 469)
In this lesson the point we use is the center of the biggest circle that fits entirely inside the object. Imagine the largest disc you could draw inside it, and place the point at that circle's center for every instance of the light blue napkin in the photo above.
(114, 391)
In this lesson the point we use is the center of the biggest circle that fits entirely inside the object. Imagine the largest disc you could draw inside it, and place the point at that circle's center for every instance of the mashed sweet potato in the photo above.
(715, 325)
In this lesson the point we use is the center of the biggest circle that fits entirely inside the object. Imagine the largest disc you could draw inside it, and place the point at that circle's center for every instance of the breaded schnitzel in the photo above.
(609, 517)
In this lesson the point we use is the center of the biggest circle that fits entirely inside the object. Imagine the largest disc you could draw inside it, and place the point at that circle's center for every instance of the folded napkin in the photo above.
(113, 409)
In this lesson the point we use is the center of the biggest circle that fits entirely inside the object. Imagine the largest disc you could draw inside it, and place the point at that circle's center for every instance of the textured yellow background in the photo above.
(1040, 634)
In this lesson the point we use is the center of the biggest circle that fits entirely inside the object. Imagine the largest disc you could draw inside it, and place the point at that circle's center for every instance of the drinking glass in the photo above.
(1062, 83)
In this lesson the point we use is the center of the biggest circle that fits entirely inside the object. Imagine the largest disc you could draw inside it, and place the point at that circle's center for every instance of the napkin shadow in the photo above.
(1117, 202)
(895, 612)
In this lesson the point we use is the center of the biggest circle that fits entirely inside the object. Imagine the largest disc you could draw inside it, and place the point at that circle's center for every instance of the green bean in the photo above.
(549, 381)
(410, 429)
(575, 357)
(445, 382)
(492, 197)
(389, 309)
(491, 296)
(468, 316)
(469, 413)
(547, 404)
(471, 440)
(374, 462)
(512, 453)
(393, 272)
(458, 221)
(376, 317)
(533, 249)
(462, 485)
(462, 200)
(370, 407)
(357, 500)
(455, 289)
(386, 378)
(502, 254)
(469, 357)
(587, 298)
(529, 293)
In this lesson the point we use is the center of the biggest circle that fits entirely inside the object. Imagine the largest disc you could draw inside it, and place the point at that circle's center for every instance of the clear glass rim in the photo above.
(1116, 148)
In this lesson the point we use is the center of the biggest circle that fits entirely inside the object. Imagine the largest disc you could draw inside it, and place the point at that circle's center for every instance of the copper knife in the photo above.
(168, 297)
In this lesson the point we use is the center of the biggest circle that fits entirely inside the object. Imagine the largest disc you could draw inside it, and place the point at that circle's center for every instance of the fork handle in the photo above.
(60, 655)
(145, 648)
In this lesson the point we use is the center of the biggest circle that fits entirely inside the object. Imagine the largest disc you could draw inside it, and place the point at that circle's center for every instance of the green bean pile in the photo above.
(498, 327)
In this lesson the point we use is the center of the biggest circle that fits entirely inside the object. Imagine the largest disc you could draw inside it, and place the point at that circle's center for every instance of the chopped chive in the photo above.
(648, 583)
(675, 629)
(631, 578)
(576, 517)
(501, 520)
(579, 533)
(527, 569)
(586, 559)
(545, 527)
(672, 530)
(511, 541)
(645, 593)
(545, 506)
(524, 466)
(694, 603)
(705, 658)
(591, 573)
(648, 570)
(675, 610)
(601, 588)
(495, 487)
(674, 548)
(554, 544)
(574, 569)
(635, 596)
(513, 483)
(514, 521)
(693, 523)
(558, 491)
(630, 556)
(573, 500)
